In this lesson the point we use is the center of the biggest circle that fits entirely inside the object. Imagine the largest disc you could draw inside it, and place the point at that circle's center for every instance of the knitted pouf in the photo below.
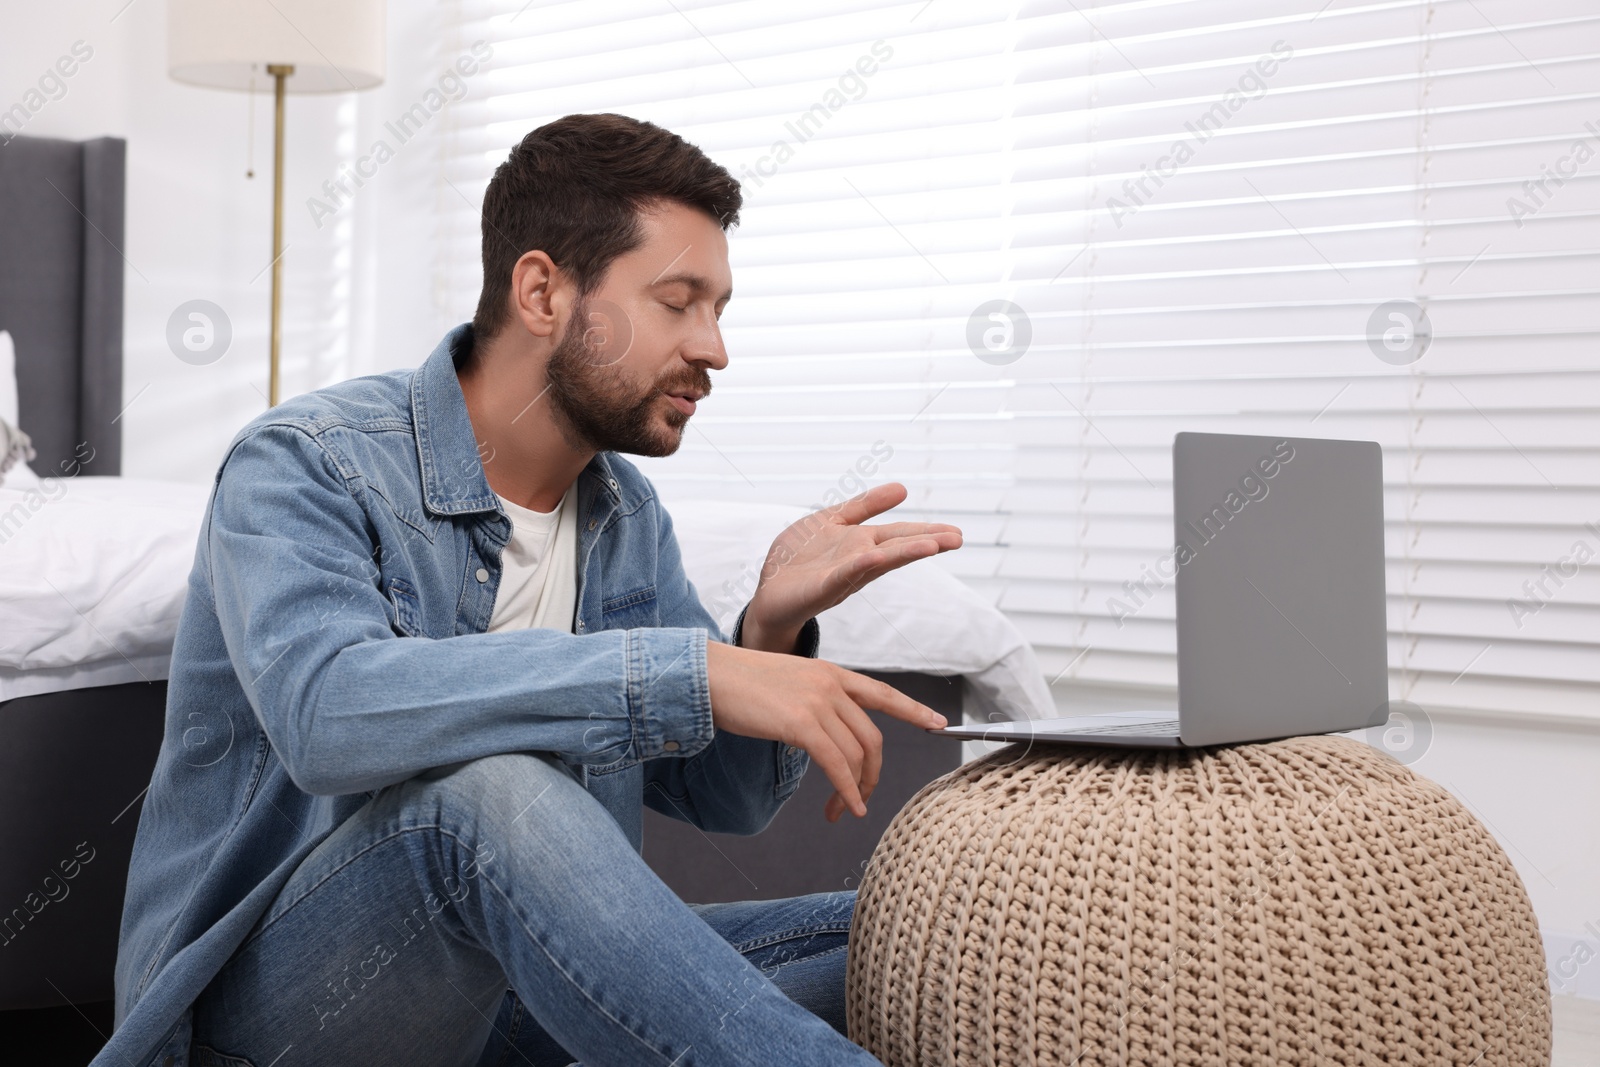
(1308, 901)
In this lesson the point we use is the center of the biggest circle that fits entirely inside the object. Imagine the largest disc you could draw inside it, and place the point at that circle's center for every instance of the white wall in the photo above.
(360, 297)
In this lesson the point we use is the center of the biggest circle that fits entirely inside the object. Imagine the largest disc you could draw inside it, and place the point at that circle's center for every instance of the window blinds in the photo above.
(1003, 252)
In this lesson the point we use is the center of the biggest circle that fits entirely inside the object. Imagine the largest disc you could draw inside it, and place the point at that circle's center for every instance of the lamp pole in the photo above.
(279, 72)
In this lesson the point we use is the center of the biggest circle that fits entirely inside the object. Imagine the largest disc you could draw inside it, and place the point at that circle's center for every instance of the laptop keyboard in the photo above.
(1150, 729)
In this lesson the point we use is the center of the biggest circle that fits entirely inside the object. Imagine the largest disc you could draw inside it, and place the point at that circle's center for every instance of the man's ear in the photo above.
(538, 297)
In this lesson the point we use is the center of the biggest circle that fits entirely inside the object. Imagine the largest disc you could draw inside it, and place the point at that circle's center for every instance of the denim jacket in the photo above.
(333, 642)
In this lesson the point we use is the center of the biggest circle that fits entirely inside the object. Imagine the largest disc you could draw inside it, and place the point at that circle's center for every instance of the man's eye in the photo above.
(680, 310)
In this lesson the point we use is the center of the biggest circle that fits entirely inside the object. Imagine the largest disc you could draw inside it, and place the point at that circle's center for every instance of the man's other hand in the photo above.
(814, 705)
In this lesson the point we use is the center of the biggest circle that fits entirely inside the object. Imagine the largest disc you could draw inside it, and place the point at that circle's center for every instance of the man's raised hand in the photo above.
(818, 561)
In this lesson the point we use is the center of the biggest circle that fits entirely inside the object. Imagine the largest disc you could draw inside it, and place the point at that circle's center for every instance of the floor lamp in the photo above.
(302, 46)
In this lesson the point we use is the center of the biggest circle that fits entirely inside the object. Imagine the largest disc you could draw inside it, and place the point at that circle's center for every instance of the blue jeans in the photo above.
(493, 912)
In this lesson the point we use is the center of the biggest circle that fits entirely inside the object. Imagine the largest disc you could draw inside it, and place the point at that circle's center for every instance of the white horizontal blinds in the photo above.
(889, 170)
(1510, 447)
(1234, 293)
(1028, 152)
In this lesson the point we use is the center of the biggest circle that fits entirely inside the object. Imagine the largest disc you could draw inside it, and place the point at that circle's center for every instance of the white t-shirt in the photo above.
(539, 568)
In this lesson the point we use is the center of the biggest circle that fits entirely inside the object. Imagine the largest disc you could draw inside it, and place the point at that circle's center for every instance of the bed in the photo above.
(73, 761)
(93, 569)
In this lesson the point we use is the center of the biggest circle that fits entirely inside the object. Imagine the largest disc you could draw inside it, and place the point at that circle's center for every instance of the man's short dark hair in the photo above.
(574, 188)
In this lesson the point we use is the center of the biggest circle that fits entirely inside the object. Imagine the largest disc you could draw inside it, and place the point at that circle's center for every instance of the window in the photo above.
(1038, 239)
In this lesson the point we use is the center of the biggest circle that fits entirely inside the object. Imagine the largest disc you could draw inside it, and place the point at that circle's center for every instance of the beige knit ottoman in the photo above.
(1308, 901)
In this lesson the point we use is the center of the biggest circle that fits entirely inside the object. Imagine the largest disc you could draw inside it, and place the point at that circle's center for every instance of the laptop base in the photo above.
(1120, 729)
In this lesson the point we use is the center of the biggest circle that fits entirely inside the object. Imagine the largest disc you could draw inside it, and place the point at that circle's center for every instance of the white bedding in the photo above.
(94, 570)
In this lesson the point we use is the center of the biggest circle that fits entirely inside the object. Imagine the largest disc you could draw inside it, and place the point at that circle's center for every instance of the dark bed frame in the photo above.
(74, 765)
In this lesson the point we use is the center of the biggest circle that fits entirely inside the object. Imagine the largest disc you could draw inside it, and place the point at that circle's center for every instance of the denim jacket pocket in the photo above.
(631, 610)
(407, 608)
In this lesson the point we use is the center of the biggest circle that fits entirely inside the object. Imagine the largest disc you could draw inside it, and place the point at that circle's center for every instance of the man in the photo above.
(439, 649)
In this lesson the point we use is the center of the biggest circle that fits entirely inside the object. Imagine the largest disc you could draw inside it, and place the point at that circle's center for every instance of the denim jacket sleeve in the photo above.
(736, 784)
(350, 706)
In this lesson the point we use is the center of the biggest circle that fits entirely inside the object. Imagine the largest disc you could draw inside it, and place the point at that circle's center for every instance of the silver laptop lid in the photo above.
(1282, 625)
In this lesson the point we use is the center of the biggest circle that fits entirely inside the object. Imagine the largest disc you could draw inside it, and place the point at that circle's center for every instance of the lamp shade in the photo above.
(334, 45)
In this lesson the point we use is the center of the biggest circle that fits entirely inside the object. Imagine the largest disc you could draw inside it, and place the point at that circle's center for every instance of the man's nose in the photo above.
(706, 347)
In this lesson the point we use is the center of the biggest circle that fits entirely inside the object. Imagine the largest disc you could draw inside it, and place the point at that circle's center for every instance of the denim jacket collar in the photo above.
(453, 479)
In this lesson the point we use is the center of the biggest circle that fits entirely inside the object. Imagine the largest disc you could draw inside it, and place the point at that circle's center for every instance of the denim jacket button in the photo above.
(670, 746)
(482, 575)
(793, 751)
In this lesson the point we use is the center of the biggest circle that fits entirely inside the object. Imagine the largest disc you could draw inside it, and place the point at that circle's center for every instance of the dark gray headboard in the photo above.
(61, 235)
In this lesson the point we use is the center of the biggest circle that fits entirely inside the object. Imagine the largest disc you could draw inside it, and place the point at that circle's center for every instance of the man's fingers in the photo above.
(826, 755)
(894, 530)
(881, 696)
(863, 506)
(857, 741)
(876, 562)
(871, 741)
(845, 740)
(943, 541)
(898, 551)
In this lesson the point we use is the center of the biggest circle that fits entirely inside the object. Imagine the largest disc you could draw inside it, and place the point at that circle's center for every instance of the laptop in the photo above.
(1278, 565)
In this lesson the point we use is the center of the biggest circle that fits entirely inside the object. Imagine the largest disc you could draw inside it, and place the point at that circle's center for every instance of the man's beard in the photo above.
(598, 408)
